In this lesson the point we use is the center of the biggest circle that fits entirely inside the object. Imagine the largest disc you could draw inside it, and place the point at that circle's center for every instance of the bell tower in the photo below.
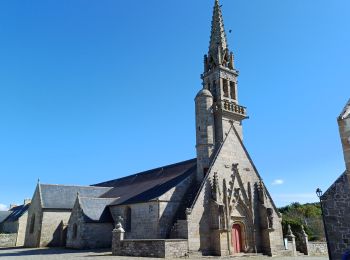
(220, 91)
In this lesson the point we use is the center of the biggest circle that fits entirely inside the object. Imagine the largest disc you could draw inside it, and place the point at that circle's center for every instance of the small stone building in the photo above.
(16, 222)
(50, 211)
(90, 224)
(336, 200)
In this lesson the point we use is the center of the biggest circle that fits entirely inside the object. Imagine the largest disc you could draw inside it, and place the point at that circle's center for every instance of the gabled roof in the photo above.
(148, 185)
(96, 210)
(4, 215)
(17, 212)
(63, 197)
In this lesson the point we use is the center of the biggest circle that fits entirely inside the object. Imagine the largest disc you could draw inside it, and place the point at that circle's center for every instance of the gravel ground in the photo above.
(66, 254)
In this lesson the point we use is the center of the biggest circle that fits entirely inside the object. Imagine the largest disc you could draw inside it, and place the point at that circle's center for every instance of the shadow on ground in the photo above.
(48, 251)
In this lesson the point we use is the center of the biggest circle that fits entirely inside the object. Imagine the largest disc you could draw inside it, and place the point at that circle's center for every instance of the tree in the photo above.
(309, 215)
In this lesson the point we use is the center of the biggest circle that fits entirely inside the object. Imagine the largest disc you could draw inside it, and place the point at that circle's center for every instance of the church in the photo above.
(214, 204)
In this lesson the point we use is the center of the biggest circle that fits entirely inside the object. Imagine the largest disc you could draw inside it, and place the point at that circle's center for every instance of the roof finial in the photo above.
(38, 180)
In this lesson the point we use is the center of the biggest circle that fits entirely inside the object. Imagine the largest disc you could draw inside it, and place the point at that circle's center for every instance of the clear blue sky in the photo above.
(96, 90)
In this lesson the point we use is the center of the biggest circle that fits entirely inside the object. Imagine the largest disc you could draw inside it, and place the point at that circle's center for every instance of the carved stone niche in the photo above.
(269, 213)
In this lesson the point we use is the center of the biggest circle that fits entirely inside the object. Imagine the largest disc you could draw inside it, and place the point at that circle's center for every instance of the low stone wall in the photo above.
(8, 240)
(151, 248)
(318, 248)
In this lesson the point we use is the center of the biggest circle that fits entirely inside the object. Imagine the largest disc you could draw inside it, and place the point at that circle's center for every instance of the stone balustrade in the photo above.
(233, 107)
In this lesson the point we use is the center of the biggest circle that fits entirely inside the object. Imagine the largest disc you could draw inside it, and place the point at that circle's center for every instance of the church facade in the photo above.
(214, 204)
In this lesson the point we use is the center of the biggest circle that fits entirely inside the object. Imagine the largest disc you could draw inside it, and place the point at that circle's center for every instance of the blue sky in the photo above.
(96, 90)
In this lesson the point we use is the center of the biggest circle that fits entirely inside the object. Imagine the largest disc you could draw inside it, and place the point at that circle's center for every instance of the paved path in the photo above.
(66, 254)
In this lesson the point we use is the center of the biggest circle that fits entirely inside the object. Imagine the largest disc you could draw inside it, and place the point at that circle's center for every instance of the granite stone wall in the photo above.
(21, 232)
(336, 209)
(51, 229)
(8, 240)
(85, 235)
(32, 236)
(318, 248)
(144, 219)
(151, 248)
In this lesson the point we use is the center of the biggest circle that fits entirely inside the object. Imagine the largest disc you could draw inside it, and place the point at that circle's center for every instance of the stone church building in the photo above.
(336, 200)
(214, 204)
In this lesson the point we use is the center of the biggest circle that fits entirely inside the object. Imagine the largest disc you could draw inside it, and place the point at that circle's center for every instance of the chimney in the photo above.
(13, 206)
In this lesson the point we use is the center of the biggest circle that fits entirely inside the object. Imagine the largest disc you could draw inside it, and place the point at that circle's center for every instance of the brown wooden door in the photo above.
(237, 238)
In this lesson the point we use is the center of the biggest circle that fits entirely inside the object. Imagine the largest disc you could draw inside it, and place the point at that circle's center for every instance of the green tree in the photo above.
(309, 215)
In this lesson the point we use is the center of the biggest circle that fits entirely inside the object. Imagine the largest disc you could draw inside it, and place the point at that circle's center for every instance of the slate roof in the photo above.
(4, 215)
(17, 212)
(63, 197)
(148, 185)
(96, 210)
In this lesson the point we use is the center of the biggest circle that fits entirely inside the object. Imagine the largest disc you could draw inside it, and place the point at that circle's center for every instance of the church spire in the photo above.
(218, 34)
(219, 53)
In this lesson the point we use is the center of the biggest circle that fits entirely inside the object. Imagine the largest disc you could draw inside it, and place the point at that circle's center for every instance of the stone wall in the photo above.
(8, 240)
(144, 219)
(88, 235)
(318, 248)
(32, 235)
(51, 229)
(169, 204)
(336, 209)
(22, 225)
(151, 248)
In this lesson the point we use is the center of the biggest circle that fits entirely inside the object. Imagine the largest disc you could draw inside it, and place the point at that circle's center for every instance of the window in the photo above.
(225, 87)
(32, 224)
(214, 89)
(233, 90)
(75, 230)
(128, 219)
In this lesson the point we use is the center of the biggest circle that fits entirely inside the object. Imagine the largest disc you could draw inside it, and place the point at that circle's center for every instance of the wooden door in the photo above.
(237, 238)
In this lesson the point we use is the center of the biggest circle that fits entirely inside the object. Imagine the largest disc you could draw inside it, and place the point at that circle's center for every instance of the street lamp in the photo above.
(319, 195)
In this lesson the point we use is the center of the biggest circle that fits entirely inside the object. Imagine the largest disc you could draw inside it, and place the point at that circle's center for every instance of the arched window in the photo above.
(128, 219)
(75, 230)
(32, 224)
(233, 90)
(214, 89)
(225, 87)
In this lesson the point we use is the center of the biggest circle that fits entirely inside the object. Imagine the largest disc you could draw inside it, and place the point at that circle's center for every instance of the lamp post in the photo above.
(319, 195)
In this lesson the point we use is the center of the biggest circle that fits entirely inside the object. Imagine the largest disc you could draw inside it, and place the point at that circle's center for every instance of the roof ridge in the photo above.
(148, 171)
(78, 186)
(96, 198)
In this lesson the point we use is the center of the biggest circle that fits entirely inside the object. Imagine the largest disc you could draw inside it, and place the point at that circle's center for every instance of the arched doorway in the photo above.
(237, 238)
